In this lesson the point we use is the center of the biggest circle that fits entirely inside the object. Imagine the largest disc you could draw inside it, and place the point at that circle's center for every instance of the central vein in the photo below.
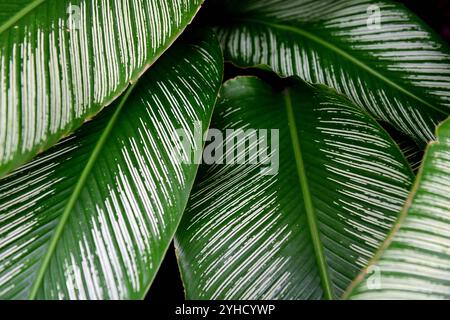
(19, 15)
(345, 55)
(308, 203)
(76, 193)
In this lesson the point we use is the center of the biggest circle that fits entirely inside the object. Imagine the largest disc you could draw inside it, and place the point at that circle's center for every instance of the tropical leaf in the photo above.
(61, 61)
(93, 216)
(376, 52)
(308, 230)
(414, 261)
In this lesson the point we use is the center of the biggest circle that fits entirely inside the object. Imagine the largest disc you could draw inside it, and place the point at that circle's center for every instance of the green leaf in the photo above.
(414, 261)
(62, 61)
(308, 230)
(93, 217)
(398, 70)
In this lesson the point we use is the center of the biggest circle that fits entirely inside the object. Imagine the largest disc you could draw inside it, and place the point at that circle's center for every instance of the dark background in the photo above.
(436, 13)
(167, 285)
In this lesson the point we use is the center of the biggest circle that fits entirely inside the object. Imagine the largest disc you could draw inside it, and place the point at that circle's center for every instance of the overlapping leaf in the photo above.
(376, 52)
(93, 216)
(61, 61)
(307, 230)
(414, 262)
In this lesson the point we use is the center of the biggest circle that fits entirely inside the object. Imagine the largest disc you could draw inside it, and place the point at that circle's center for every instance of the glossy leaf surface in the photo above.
(62, 61)
(306, 231)
(376, 52)
(414, 262)
(92, 217)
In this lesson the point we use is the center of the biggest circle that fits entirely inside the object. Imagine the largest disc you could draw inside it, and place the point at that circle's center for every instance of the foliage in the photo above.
(349, 102)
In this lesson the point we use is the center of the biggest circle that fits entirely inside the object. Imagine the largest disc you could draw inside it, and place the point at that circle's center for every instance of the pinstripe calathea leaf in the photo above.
(94, 215)
(306, 209)
(414, 261)
(62, 61)
(376, 52)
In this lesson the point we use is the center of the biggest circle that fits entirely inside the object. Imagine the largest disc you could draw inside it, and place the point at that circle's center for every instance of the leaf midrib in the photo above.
(345, 55)
(308, 203)
(19, 15)
(76, 193)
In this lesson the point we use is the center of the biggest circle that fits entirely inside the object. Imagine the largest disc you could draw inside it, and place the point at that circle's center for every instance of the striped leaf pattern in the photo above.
(92, 217)
(375, 52)
(414, 262)
(306, 231)
(61, 61)
(412, 151)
